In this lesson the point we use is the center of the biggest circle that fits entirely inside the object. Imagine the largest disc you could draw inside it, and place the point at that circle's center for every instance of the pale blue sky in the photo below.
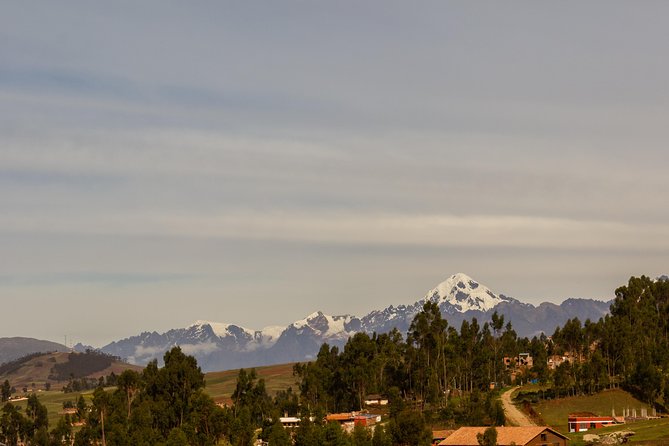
(164, 162)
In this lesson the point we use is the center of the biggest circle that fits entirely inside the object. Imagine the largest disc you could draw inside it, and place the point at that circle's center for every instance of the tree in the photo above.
(381, 437)
(333, 435)
(497, 324)
(101, 403)
(488, 437)
(182, 377)
(427, 334)
(37, 414)
(242, 431)
(409, 429)
(5, 391)
(308, 433)
(177, 437)
(62, 433)
(361, 436)
(82, 408)
(129, 383)
(278, 436)
(11, 425)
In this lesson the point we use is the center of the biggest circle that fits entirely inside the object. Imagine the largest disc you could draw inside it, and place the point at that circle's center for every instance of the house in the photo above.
(376, 400)
(506, 436)
(583, 421)
(366, 420)
(439, 436)
(346, 420)
(349, 420)
(556, 360)
(523, 360)
(289, 422)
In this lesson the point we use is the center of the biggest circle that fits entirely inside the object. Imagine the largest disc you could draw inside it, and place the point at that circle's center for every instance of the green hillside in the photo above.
(221, 385)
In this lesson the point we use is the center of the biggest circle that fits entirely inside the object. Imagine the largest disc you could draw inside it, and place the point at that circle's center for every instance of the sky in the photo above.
(252, 162)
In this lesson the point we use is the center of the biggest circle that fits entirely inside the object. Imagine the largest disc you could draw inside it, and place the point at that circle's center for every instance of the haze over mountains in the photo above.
(219, 346)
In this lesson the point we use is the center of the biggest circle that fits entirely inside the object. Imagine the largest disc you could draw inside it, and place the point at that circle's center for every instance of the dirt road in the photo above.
(514, 417)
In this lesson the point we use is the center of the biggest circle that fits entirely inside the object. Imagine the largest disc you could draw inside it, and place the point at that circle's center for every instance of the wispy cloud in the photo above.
(365, 229)
(90, 278)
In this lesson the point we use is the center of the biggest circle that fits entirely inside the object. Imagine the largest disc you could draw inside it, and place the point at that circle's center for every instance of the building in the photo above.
(583, 421)
(349, 420)
(289, 422)
(376, 400)
(556, 360)
(366, 419)
(522, 361)
(439, 436)
(507, 436)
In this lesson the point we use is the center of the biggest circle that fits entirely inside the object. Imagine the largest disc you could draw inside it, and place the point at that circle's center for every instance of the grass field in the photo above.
(555, 412)
(650, 432)
(54, 399)
(221, 385)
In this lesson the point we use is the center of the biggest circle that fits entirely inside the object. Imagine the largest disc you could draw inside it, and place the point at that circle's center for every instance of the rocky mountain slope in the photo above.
(219, 346)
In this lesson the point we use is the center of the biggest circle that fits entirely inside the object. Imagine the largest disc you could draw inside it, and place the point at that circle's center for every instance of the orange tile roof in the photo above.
(466, 436)
(442, 433)
(339, 417)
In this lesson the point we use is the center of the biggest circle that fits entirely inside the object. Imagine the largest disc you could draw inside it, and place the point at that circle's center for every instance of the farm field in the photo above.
(221, 385)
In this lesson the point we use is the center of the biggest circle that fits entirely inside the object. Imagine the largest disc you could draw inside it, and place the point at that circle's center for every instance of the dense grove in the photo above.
(437, 375)
(79, 365)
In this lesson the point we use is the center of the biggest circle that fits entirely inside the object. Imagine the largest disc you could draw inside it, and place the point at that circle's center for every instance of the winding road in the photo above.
(514, 417)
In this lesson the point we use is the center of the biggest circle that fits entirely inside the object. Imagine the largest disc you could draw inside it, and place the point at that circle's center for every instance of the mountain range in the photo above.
(219, 346)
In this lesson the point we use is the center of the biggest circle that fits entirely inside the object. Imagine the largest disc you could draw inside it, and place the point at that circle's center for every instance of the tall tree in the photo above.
(5, 391)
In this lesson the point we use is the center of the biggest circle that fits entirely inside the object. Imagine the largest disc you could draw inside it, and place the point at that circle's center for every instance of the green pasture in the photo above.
(221, 385)
(555, 412)
(649, 432)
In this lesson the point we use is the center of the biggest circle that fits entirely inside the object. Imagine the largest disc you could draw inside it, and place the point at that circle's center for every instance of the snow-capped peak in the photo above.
(464, 293)
(221, 329)
(326, 325)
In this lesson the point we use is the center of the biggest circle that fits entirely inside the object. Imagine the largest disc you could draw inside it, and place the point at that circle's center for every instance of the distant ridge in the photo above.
(56, 369)
(17, 347)
(222, 346)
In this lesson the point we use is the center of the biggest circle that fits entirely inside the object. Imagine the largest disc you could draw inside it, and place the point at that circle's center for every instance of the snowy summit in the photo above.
(464, 294)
